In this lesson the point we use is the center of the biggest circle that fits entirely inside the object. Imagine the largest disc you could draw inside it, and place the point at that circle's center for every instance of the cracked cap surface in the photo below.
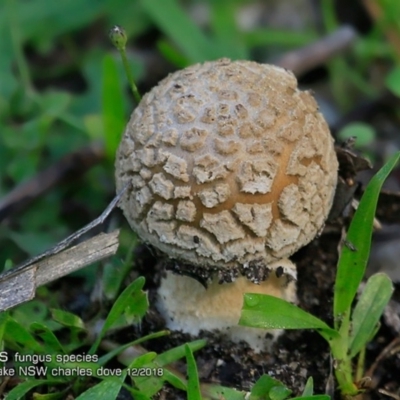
(230, 164)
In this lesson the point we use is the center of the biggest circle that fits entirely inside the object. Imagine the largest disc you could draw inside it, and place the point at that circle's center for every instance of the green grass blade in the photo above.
(111, 354)
(174, 380)
(150, 385)
(273, 37)
(23, 388)
(106, 390)
(352, 262)
(269, 312)
(369, 308)
(176, 353)
(143, 360)
(308, 388)
(132, 303)
(113, 106)
(173, 21)
(68, 319)
(193, 386)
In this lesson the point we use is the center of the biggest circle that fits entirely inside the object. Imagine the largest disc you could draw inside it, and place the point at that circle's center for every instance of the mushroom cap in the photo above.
(230, 165)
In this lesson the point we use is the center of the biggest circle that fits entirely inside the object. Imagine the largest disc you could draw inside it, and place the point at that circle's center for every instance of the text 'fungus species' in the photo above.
(232, 168)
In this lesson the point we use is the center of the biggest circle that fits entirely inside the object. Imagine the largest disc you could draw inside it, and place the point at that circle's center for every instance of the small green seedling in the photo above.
(353, 327)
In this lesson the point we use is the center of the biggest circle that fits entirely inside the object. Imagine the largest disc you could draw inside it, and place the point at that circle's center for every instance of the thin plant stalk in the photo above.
(118, 38)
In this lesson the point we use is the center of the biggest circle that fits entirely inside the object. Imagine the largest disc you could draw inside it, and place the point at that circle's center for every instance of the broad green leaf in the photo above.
(173, 21)
(107, 389)
(314, 397)
(113, 106)
(355, 252)
(364, 133)
(269, 312)
(193, 385)
(369, 309)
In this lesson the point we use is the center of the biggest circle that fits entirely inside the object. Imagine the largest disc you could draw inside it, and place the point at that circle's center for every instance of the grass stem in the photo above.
(118, 38)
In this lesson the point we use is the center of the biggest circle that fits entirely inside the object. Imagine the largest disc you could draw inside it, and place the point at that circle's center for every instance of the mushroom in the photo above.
(190, 307)
(232, 170)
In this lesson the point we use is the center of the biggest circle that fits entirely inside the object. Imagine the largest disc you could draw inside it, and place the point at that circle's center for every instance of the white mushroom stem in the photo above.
(189, 307)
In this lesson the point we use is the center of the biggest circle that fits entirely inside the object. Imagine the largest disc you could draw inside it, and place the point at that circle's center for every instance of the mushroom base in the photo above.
(189, 307)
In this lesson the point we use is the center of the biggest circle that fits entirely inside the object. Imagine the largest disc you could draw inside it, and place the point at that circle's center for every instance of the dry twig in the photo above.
(19, 284)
